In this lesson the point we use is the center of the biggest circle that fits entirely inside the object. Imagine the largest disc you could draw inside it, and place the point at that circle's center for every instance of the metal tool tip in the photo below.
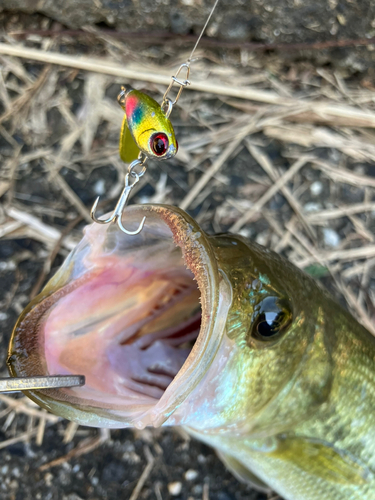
(17, 384)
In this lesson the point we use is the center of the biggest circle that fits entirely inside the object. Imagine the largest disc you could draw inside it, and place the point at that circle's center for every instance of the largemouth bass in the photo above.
(216, 334)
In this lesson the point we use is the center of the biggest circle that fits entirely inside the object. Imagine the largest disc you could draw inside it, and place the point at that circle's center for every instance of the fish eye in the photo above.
(271, 317)
(159, 143)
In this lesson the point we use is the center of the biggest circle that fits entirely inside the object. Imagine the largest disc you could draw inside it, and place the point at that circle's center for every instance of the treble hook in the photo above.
(119, 208)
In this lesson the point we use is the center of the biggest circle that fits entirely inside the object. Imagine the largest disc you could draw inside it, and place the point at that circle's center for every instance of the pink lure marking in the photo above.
(130, 105)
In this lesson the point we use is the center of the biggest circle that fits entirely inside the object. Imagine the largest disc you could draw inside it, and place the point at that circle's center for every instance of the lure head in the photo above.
(150, 128)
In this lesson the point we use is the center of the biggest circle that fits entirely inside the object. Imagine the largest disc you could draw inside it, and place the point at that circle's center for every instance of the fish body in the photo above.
(307, 427)
(277, 377)
(145, 128)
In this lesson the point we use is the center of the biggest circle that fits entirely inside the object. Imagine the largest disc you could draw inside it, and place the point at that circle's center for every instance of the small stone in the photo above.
(213, 29)
(16, 472)
(99, 187)
(3, 316)
(262, 238)
(175, 488)
(331, 238)
(8, 265)
(131, 457)
(312, 207)
(95, 481)
(191, 474)
(13, 484)
(245, 232)
(334, 29)
(64, 478)
(316, 188)
(197, 489)
(48, 479)
(4, 469)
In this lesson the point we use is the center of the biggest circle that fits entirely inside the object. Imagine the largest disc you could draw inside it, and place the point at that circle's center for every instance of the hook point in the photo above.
(131, 233)
(95, 218)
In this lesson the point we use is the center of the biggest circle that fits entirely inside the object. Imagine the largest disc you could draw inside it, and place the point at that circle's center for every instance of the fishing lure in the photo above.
(145, 127)
(146, 132)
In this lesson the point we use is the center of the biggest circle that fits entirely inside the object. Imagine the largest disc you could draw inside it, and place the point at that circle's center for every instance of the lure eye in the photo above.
(272, 316)
(159, 143)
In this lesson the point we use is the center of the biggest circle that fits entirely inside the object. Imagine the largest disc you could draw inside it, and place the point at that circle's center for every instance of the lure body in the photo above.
(145, 128)
(280, 379)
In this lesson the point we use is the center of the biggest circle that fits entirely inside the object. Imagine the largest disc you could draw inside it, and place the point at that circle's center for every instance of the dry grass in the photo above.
(59, 122)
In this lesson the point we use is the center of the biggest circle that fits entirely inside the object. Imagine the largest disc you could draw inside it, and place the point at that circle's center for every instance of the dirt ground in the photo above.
(290, 164)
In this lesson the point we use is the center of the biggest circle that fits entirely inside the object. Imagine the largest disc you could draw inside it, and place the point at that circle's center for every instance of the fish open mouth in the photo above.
(126, 312)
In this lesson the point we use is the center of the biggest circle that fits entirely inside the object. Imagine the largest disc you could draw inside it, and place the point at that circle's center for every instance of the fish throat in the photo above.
(128, 327)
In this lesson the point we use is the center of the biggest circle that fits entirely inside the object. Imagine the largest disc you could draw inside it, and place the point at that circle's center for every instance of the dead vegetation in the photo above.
(282, 155)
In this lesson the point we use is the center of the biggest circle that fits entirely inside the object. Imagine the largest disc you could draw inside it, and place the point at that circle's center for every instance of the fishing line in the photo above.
(203, 30)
